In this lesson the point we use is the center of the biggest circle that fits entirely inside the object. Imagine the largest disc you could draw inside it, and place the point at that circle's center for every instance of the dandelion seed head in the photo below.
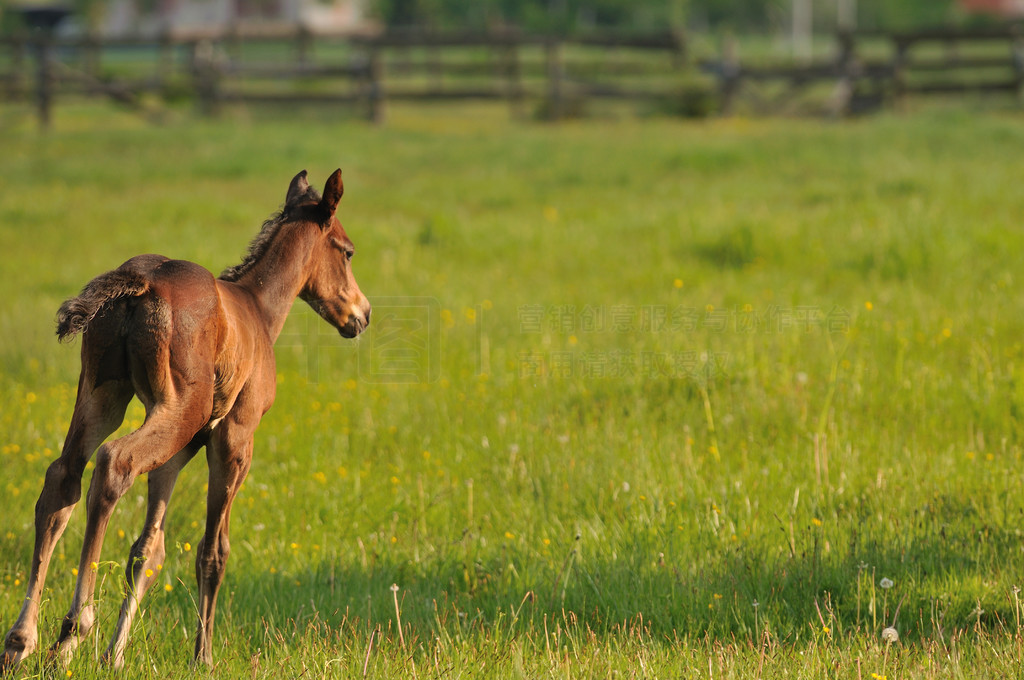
(890, 635)
(885, 583)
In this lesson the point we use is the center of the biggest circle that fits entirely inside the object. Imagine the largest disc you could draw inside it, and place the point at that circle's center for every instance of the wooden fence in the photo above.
(556, 75)
(870, 69)
(298, 67)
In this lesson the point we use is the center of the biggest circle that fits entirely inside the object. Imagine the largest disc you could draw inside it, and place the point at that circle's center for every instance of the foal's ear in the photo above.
(297, 189)
(332, 193)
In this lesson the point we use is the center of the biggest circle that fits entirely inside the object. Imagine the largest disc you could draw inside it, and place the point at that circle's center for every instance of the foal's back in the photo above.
(151, 323)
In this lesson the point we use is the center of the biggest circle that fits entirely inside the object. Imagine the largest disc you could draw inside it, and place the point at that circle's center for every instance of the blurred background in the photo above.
(111, 17)
(546, 58)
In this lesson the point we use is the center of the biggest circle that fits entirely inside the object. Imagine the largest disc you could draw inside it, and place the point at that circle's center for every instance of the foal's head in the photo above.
(330, 287)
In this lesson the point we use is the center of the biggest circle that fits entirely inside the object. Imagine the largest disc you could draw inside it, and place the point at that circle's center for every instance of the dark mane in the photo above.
(259, 244)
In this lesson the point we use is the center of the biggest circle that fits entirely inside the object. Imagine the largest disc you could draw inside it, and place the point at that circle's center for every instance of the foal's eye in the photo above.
(343, 247)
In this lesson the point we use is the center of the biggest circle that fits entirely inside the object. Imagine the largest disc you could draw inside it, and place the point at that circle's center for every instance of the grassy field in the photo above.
(642, 398)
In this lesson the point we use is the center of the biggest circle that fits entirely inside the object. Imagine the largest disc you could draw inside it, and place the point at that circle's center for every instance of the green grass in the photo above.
(698, 389)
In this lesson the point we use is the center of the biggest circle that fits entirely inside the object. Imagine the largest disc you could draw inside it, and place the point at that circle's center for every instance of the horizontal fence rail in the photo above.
(556, 74)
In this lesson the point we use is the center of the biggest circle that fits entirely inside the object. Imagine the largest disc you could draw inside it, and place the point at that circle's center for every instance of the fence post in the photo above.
(678, 49)
(207, 74)
(435, 67)
(512, 75)
(91, 50)
(15, 86)
(375, 73)
(303, 45)
(165, 59)
(1017, 55)
(42, 22)
(553, 54)
(899, 71)
(729, 76)
(44, 79)
(846, 65)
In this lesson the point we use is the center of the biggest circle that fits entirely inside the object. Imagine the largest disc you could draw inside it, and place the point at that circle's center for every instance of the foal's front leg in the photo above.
(229, 455)
(147, 554)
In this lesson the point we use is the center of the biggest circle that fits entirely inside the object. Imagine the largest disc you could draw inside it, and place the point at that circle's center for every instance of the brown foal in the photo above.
(198, 353)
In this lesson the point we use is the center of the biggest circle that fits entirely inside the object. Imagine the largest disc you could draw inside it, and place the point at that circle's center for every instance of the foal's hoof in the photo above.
(17, 646)
(63, 651)
(112, 662)
(11, 659)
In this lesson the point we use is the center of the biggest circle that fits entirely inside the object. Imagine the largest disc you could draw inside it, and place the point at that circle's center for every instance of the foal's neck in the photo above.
(276, 279)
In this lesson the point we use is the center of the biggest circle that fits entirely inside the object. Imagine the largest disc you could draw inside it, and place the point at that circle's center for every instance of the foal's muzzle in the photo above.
(356, 324)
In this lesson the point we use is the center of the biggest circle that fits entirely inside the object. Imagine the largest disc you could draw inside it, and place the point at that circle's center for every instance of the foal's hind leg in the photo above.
(98, 412)
(168, 429)
(147, 553)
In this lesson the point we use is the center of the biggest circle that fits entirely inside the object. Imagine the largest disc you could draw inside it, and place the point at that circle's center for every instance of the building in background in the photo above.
(124, 17)
(1009, 9)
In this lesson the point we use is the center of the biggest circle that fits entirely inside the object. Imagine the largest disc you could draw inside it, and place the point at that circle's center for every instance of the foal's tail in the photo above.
(76, 313)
